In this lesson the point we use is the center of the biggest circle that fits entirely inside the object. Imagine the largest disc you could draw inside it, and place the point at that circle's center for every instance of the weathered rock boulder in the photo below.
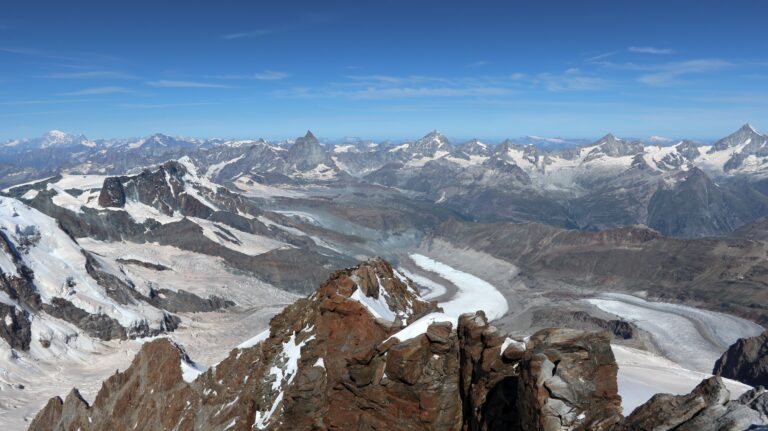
(746, 361)
(329, 361)
(568, 380)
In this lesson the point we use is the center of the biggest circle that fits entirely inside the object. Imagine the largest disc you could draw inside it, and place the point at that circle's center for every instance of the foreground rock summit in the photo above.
(338, 360)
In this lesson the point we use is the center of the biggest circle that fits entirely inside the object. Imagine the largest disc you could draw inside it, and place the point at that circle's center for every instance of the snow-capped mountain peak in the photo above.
(56, 134)
(744, 136)
(56, 138)
(659, 140)
(431, 144)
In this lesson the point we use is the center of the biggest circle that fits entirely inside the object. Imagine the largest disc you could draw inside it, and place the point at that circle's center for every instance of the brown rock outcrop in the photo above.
(328, 363)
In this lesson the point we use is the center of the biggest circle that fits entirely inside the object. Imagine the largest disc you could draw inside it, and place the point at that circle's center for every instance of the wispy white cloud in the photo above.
(479, 63)
(28, 114)
(381, 79)
(90, 74)
(43, 101)
(167, 83)
(80, 57)
(305, 20)
(398, 92)
(600, 56)
(32, 52)
(571, 80)
(379, 87)
(162, 105)
(409, 92)
(670, 73)
(649, 50)
(97, 91)
(266, 75)
(269, 75)
(246, 34)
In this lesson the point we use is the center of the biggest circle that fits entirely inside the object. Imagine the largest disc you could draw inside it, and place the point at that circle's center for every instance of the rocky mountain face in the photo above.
(337, 360)
(746, 361)
(357, 355)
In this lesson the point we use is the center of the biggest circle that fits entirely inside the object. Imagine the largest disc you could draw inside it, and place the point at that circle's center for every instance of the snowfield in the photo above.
(430, 289)
(473, 294)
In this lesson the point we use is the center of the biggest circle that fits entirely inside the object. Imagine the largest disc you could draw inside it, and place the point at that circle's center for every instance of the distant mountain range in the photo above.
(681, 188)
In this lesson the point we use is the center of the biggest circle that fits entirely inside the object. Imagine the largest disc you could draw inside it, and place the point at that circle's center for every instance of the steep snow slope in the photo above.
(59, 266)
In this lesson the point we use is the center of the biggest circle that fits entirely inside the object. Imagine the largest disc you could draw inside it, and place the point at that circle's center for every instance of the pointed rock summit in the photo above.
(430, 144)
(309, 136)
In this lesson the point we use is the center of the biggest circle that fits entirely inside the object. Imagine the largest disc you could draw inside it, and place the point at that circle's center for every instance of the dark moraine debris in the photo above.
(148, 265)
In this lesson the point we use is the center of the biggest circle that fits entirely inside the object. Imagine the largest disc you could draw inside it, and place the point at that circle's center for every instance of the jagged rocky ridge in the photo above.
(330, 361)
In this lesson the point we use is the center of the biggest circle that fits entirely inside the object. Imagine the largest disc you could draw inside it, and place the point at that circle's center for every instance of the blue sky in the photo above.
(385, 69)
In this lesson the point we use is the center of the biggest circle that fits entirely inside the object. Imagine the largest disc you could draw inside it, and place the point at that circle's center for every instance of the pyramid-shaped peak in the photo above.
(609, 137)
(430, 143)
(435, 134)
(310, 136)
(744, 135)
(748, 128)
